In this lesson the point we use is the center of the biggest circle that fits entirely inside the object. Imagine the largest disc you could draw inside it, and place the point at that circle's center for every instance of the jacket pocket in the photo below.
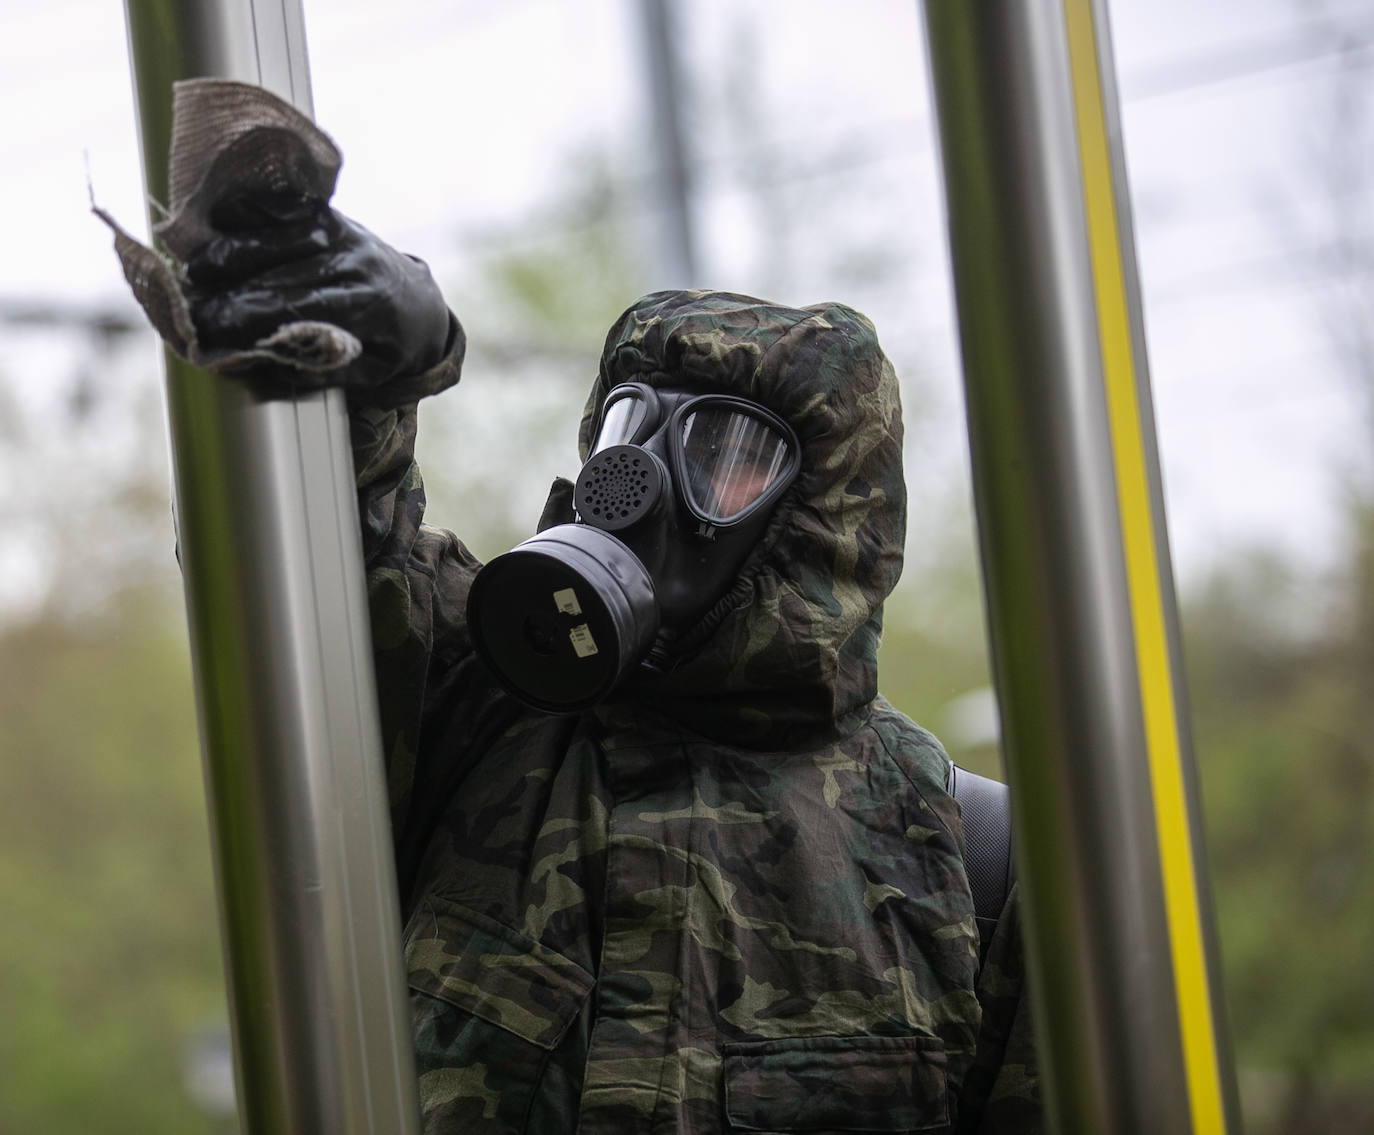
(494, 973)
(836, 1083)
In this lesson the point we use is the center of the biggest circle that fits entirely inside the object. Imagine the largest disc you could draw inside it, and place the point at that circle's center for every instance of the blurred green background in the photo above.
(112, 1014)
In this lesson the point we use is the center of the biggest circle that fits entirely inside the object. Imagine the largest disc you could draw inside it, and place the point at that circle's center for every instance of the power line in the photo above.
(98, 321)
(1310, 45)
(1259, 57)
(1307, 264)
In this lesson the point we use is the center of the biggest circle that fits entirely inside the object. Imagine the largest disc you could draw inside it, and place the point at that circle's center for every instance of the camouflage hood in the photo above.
(788, 657)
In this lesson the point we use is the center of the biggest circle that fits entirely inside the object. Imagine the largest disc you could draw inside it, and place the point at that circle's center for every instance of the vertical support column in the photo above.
(676, 256)
(272, 558)
(1076, 569)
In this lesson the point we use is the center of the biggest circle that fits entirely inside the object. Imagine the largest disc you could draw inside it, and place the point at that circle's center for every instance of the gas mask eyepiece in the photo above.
(677, 490)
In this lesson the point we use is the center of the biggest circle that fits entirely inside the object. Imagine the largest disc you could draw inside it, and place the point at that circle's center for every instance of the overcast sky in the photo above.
(460, 117)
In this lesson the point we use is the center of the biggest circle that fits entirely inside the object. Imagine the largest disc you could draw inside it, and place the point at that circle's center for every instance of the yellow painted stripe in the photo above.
(1177, 862)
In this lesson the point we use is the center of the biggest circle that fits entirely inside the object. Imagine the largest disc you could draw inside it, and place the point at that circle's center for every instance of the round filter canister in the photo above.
(563, 616)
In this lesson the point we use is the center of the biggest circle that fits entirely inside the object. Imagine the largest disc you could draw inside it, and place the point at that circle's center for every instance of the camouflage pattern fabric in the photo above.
(732, 898)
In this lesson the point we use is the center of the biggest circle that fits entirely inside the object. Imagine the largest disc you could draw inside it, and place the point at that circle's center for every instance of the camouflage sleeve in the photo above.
(1001, 1094)
(417, 581)
(382, 421)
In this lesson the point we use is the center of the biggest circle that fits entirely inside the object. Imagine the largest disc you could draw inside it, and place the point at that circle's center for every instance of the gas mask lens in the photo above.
(727, 455)
(730, 460)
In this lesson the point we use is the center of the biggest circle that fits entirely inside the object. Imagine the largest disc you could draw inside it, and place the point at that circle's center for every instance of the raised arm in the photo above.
(269, 269)
(324, 267)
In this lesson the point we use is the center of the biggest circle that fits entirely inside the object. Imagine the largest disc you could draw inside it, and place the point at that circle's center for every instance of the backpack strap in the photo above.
(986, 807)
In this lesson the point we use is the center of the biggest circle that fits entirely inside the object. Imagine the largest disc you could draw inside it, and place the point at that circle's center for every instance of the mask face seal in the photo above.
(676, 492)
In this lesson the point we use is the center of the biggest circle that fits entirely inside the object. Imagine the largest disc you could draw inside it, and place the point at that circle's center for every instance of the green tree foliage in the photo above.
(109, 952)
(535, 316)
(1286, 757)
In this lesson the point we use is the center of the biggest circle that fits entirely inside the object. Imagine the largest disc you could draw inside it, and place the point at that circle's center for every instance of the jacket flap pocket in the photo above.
(836, 1083)
(493, 972)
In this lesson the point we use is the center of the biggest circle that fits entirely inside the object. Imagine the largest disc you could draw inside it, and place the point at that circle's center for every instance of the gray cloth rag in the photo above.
(231, 140)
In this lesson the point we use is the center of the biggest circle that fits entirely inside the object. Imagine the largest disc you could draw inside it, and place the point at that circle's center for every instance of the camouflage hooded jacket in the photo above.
(733, 898)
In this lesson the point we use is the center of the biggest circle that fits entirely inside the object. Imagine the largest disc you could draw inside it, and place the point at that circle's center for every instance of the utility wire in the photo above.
(1246, 61)
(876, 144)
(1304, 264)
(1311, 45)
(97, 320)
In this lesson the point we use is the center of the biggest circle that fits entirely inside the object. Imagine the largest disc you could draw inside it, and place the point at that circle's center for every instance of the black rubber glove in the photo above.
(286, 258)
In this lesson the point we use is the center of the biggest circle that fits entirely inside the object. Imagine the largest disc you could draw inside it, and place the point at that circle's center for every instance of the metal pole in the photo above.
(277, 608)
(676, 257)
(1076, 569)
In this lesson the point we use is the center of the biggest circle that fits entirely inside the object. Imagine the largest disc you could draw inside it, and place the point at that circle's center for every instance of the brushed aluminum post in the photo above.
(1076, 569)
(277, 609)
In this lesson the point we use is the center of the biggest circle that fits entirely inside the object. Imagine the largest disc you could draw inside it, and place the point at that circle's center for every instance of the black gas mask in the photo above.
(678, 489)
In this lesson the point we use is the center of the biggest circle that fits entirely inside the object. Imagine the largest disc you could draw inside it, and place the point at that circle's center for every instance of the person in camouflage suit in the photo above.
(732, 896)
(729, 897)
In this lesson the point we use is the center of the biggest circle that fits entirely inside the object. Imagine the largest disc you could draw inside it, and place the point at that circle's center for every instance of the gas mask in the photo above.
(676, 492)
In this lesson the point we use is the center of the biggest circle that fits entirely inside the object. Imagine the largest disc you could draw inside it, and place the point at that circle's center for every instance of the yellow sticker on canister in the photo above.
(582, 642)
(566, 601)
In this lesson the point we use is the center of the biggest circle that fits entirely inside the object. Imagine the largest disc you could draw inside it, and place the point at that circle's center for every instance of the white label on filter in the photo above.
(566, 601)
(582, 642)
